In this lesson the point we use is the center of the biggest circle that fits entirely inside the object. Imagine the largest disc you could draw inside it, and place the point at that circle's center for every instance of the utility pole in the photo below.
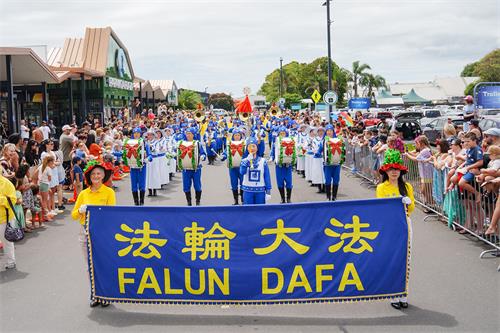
(281, 77)
(328, 24)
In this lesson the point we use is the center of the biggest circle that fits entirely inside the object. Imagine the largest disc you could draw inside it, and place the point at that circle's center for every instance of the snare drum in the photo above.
(332, 152)
(236, 150)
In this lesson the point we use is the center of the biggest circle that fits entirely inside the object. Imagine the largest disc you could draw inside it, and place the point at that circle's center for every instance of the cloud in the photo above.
(229, 44)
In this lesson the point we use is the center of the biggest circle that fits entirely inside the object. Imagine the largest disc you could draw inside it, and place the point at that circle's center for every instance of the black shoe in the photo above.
(235, 197)
(154, 193)
(188, 198)
(198, 197)
(396, 305)
(150, 192)
(335, 189)
(62, 207)
(288, 195)
(282, 194)
(404, 305)
(104, 305)
(141, 198)
(136, 198)
(328, 190)
(93, 304)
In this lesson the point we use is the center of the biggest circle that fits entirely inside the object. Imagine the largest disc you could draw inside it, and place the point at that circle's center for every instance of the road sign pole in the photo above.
(329, 22)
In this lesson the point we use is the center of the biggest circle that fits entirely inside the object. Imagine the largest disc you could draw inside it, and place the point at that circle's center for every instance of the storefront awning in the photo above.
(27, 67)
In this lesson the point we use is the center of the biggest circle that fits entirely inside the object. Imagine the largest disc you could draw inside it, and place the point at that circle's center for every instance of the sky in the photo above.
(226, 45)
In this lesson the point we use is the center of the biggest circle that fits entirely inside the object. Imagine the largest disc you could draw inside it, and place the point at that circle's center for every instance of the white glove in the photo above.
(406, 200)
(268, 197)
(82, 209)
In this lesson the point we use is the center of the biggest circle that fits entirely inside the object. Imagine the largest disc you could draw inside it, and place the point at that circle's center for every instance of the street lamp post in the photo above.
(281, 77)
(328, 23)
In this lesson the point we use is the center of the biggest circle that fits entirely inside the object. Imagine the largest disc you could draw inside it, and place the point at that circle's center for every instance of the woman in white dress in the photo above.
(318, 176)
(153, 181)
(309, 154)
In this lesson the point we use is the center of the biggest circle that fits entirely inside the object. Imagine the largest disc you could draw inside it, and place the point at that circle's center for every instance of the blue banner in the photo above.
(306, 252)
(488, 96)
(359, 103)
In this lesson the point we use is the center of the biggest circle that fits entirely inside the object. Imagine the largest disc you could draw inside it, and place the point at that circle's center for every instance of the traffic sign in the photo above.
(316, 96)
(282, 101)
(330, 97)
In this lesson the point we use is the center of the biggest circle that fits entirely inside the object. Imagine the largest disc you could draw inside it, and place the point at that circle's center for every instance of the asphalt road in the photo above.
(451, 289)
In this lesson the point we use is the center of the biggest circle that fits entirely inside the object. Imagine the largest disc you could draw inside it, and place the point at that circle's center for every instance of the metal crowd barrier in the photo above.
(460, 210)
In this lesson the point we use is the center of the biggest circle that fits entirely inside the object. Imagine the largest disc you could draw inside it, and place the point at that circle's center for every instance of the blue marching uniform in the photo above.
(332, 172)
(256, 180)
(283, 173)
(137, 164)
(193, 177)
(235, 177)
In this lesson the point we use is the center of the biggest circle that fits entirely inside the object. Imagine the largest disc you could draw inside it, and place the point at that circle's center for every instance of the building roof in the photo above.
(88, 55)
(165, 85)
(27, 67)
(396, 100)
(454, 86)
(440, 89)
(413, 98)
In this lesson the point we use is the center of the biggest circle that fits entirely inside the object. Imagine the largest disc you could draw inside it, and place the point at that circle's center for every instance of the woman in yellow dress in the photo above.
(95, 194)
(393, 185)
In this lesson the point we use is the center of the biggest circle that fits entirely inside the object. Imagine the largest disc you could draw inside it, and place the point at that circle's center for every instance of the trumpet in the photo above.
(243, 116)
(199, 116)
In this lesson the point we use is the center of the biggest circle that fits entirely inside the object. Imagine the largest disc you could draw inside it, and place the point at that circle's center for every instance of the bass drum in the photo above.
(335, 146)
(288, 145)
(189, 152)
(237, 147)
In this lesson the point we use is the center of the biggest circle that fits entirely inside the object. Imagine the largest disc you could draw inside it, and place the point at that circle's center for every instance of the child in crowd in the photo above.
(470, 167)
(423, 156)
(18, 205)
(77, 174)
(36, 210)
(45, 178)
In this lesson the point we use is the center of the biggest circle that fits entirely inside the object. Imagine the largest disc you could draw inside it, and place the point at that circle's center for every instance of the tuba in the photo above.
(243, 116)
(274, 111)
(199, 116)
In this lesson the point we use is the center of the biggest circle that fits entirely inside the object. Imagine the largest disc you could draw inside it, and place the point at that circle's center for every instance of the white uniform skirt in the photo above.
(173, 165)
(153, 179)
(164, 170)
(318, 176)
(308, 166)
(301, 163)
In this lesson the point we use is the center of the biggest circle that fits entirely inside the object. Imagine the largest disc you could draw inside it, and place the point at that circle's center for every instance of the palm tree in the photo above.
(371, 81)
(358, 71)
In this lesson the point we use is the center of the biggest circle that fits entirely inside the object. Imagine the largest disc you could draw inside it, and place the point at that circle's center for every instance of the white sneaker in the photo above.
(10, 266)
(53, 212)
(59, 211)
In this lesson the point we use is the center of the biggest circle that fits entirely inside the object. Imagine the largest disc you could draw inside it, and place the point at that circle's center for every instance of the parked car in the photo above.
(429, 115)
(489, 112)
(409, 127)
(434, 130)
(489, 122)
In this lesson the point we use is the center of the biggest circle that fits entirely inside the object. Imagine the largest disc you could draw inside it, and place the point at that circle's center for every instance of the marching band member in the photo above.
(333, 156)
(260, 134)
(317, 175)
(189, 154)
(301, 149)
(211, 145)
(256, 184)
(153, 180)
(283, 154)
(161, 148)
(234, 154)
(309, 154)
(135, 155)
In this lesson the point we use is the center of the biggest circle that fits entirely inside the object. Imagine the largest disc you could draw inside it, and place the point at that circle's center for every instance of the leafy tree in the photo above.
(371, 81)
(357, 73)
(221, 101)
(291, 98)
(470, 69)
(488, 70)
(301, 79)
(188, 99)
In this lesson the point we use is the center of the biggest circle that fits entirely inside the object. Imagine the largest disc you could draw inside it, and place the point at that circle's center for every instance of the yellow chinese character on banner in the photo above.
(356, 236)
(281, 235)
(214, 243)
(145, 241)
